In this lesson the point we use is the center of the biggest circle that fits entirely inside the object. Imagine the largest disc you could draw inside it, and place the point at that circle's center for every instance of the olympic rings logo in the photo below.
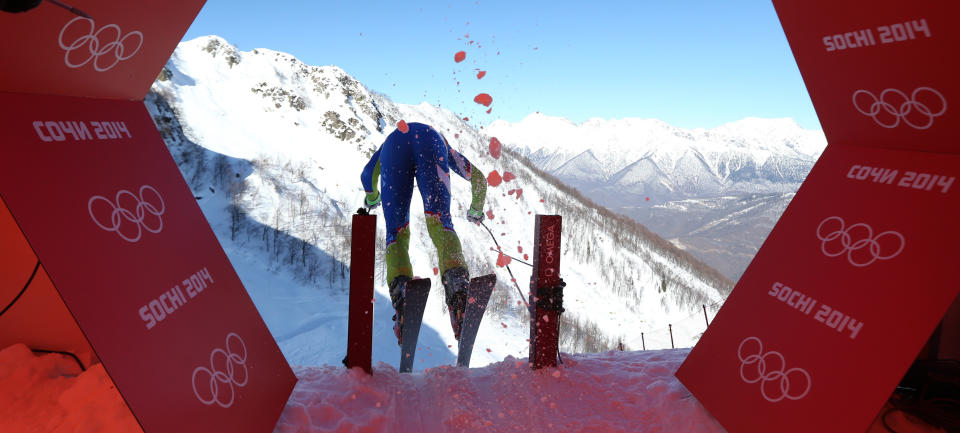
(115, 47)
(141, 213)
(865, 250)
(224, 379)
(894, 106)
(770, 368)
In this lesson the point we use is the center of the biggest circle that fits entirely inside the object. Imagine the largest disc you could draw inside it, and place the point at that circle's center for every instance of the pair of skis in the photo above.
(415, 302)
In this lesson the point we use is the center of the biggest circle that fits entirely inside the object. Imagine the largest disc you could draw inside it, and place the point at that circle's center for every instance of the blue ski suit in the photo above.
(423, 154)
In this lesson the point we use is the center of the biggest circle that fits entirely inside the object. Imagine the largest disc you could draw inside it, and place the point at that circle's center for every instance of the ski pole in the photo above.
(512, 278)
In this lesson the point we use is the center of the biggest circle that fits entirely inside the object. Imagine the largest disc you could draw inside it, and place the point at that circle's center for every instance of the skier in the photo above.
(422, 153)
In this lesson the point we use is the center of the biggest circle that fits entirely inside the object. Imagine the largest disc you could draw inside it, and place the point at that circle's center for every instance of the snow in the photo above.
(606, 392)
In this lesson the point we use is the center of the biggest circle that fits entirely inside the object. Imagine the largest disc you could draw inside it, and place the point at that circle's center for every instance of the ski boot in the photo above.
(455, 282)
(397, 290)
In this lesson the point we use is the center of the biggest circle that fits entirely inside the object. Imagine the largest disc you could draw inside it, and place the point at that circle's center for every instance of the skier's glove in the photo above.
(372, 200)
(475, 216)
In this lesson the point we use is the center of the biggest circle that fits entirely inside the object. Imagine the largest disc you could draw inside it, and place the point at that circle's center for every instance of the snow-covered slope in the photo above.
(642, 168)
(274, 149)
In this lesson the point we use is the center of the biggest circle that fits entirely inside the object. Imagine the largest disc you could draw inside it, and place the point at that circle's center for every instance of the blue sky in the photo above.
(691, 63)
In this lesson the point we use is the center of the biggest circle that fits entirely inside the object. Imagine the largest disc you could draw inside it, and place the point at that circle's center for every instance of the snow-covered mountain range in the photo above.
(715, 192)
(273, 149)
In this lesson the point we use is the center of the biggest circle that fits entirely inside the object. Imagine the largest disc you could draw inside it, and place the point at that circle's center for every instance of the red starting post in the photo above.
(546, 293)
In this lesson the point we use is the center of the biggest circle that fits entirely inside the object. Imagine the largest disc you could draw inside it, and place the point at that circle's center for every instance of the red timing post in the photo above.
(545, 292)
(360, 331)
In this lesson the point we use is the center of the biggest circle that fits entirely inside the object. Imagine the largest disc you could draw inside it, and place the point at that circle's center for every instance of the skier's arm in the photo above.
(371, 177)
(478, 183)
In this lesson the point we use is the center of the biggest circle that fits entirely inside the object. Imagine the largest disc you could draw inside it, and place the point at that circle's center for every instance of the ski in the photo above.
(478, 295)
(415, 301)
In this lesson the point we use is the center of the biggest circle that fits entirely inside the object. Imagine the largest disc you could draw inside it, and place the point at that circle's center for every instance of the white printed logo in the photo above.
(894, 106)
(222, 380)
(129, 214)
(836, 239)
(770, 368)
(99, 44)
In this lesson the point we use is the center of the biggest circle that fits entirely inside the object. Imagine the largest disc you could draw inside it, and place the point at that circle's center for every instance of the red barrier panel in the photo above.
(362, 259)
(839, 300)
(545, 319)
(102, 203)
(855, 276)
(117, 55)
(878, 75)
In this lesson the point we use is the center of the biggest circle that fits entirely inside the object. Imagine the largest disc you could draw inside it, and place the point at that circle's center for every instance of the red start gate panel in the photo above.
(99, 198)
(857, 273)
(117, 53)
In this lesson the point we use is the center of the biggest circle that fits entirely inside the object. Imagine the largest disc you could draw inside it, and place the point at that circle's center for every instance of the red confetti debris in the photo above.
(472, 300)
(489, 110)
(471, 42)
(402, 126)
(488, 350)
(519, 192)
(483, 99)
(519, 249)
(456, 135)
(503, 325)
(481, 74)
(494, 178)
(526, 257)
(490, 214)
(503, 260)
(459, 56)
(436, 271)
(648, 198)
(495, 148)
(466, 119)
(508, 176)
(541, 200)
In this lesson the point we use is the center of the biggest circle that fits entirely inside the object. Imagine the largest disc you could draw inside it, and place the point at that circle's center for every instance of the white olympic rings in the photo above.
(899, 109)
(117, 47)
(138, 215)
(866, 239)
(233, 360)
(781, 374)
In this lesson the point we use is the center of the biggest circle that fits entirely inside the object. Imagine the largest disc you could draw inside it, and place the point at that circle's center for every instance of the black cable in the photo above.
(512, 257)
(514, 279)
(14, 301)
(58, 352)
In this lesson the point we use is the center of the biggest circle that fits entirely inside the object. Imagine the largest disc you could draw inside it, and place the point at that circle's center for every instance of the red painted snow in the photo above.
(402, 126)
(495, 148)
(459, 56)
(508, 176)
(483, 99)
(494, 178)
(481, 74)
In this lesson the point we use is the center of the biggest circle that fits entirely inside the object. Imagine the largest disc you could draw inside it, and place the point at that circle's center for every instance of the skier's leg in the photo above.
(397, 172)
(433, 179)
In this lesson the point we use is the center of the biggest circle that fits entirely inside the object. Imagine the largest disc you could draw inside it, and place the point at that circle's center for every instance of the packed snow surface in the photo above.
(607, 392)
